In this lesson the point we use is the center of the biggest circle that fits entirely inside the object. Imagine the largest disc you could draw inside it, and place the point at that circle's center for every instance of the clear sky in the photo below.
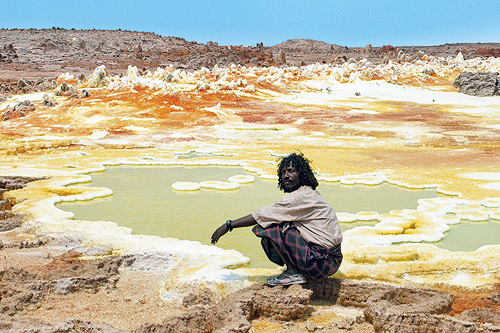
(235, 22)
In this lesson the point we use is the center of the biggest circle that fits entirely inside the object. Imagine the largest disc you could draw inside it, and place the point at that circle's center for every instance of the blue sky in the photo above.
(346, 23)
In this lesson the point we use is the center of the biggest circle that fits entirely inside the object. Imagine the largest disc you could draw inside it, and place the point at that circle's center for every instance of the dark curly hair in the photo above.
(301, 164)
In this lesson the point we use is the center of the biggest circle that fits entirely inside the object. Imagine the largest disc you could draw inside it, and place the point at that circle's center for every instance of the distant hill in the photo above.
(32, 53)
(306, 46)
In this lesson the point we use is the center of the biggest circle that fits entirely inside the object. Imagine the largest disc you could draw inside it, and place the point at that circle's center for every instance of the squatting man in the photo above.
(300, 231)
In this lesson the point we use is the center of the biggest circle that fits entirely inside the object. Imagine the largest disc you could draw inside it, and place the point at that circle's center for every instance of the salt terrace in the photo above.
(398, 123)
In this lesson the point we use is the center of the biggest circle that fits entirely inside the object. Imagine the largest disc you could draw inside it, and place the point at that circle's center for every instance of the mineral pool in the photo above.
(143, 200)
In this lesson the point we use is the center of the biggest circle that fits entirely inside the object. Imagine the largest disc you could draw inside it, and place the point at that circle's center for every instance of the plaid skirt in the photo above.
(312, 260)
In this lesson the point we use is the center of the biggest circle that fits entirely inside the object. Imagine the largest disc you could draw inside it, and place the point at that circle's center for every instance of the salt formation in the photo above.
(366, 216)
(242, 179)
(346, 217)
(186, 186)
(233, 183)
(219, 185)
(99, 78)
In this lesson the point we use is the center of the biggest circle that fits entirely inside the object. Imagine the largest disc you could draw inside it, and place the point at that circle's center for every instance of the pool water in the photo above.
(144, 201)
(469, 236)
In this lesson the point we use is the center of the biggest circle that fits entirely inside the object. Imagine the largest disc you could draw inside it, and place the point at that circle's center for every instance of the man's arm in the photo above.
(244, 221)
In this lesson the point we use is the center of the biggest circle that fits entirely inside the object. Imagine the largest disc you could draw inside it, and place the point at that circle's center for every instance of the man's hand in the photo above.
(244, 221)
(221, 231)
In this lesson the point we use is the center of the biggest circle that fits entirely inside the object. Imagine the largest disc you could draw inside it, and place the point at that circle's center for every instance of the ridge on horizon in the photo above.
(283, 43)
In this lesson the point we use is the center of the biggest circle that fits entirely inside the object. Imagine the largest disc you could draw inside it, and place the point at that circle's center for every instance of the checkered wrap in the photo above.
(312, 260)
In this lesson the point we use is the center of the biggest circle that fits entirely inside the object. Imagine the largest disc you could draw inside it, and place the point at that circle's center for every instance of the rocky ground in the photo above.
(32, 53)
(52, 289)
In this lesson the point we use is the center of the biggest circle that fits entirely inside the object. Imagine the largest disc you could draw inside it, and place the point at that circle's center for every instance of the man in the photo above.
(300, 231)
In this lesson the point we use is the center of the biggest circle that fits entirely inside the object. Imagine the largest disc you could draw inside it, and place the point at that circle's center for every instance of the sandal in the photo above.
(286, 279)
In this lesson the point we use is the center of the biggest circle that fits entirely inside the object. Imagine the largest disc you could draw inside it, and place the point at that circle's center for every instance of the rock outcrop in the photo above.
(11, 324)
(22, 290)
(404, 309)
(47, 52)
(478, 84)
(234, 314)
(9, 220)
(480, 315)
(82, 49)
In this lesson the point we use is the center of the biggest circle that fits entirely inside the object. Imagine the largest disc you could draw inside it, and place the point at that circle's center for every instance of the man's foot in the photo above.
(286, 279)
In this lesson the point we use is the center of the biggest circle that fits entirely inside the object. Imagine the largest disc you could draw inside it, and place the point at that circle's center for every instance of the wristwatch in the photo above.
(228, 225)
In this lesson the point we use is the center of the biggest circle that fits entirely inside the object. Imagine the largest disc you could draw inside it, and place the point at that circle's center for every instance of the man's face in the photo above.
(290, 178)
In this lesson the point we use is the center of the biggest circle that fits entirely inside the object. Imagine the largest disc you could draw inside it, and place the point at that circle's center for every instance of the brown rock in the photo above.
(9, 221)
(346, 292)
(481, 316)
(411, 310)
(205, 297)
(284, 304)
(19, 110)
(425, 323)
(5, 204)
(83, 326)
(16, 182)
(20, 324)
(410, 300)
(22, 290)
(234, 313)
